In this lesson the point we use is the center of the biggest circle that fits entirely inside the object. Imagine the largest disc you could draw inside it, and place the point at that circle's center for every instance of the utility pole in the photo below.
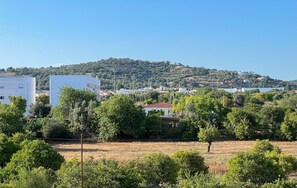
(81, 160)
(114, 80)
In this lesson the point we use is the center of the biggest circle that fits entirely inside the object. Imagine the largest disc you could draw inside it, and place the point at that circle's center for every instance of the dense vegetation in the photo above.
(133, 74)
(35, 164)
(206, 115)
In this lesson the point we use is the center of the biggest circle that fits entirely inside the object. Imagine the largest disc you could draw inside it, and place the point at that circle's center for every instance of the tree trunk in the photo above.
(208, 148)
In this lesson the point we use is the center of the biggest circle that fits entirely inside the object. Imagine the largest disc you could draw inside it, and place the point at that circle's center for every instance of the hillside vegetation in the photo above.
(130, 74)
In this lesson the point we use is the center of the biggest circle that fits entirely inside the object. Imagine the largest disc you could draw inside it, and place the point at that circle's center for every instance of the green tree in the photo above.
(271, 120)
(83, 118)
(289, 126)
(7, 149)
(11, 116)
(202, 108)
(39, 110)
(242, 123)
(18, 104)
(208, 134)
(70, 97)
(76, 109)
(118, 117)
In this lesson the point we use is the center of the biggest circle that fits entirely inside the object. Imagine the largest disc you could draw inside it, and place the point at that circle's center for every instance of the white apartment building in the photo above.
(75, 81)
(24, 86)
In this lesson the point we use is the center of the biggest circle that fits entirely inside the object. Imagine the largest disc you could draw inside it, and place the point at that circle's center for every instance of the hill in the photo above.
(129, 73)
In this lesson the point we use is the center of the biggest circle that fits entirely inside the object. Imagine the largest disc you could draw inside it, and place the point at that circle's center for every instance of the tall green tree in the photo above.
(76, 109)
(70, 97)
(119, 117)
(203, 108)
(242, 123)
(11, 116)
(289, 126)
(271, 120)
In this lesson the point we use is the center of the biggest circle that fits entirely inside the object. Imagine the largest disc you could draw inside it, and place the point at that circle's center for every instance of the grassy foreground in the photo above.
(220, 153)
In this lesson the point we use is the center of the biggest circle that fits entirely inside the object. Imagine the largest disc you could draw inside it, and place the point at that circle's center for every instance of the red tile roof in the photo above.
(159, 105)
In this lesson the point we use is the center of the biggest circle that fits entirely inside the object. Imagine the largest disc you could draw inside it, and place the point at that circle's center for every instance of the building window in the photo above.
(1, 97)
(21, 85)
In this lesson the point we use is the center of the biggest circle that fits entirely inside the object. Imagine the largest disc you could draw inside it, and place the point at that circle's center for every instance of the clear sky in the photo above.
(246, 35)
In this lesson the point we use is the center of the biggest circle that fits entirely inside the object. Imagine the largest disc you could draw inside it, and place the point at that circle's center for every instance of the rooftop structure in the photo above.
(160, 106)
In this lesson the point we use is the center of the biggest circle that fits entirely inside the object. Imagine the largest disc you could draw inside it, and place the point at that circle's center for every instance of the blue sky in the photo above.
(246, 35)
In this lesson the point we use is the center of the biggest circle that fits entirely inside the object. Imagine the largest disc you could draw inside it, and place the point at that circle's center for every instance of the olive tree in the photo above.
(208, 134)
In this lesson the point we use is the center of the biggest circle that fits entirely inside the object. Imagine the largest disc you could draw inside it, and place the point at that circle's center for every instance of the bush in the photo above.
(287, 162)
(35, 178)
(281, 184)
(190, 162)
(35, 125)
(253, 167)
(53, 129)
(7, 149)
(263, 146)
(18, 138)
(155, 169)
(103, 173)
(33, 154)
(199, 180)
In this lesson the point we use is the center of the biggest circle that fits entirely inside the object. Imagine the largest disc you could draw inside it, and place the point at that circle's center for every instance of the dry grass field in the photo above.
(221, 151)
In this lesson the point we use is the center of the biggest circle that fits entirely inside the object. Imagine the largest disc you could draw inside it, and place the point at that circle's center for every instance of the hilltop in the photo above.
(129, 73)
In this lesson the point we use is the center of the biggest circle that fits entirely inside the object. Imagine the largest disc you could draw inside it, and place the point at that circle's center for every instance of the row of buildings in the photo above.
(25, 86)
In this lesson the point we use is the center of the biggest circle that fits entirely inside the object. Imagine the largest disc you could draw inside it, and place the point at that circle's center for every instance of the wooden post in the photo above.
(81, 160)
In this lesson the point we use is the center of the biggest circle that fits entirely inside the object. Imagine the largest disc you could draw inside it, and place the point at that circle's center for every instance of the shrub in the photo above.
(263, 146)
(18, 138)
(155, 169)
(103, 173)
(253, 167)
(190, 162)
(35, 125)
(281, 183)
(35, 178)
(34, 154)
(7, 149)
(287, 162)
(199, 180)
(53, 129)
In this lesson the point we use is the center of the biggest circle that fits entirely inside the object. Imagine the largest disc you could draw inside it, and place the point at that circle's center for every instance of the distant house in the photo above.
(160, 106)
(295, 91)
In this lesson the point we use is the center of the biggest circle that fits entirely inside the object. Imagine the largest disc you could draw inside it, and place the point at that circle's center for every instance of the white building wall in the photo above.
(23, 86)
(75, 81)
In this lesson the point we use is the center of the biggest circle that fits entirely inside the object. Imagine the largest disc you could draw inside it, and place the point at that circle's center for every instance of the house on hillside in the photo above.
(160, 106)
